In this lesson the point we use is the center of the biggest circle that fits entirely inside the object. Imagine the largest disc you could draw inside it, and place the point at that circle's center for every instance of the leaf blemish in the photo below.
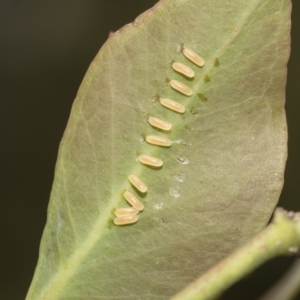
(206, 78)
(217, 62)
(110, 224)
(202, 97)
(155, 98)
(180, 47)
(167, 81)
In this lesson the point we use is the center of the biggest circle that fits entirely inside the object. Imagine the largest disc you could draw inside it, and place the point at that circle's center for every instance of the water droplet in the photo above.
(194, 111)
(174, 192)
(158, 220)
(160, 206)
(142, 138)
(183, 160)
(179, 177)
(185, 143)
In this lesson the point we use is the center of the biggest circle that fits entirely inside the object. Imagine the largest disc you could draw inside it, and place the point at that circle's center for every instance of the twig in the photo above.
(282, 236)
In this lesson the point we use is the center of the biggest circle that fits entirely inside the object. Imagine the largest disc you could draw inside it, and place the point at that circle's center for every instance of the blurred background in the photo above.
(45, 50)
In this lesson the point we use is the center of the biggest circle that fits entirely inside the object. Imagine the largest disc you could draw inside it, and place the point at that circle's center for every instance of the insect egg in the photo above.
(150, 161)
(160, 123)
(183, 69)
(158, 140)
(180, 87)
(173, 105)
(126, 211)
(193, 57)
(133, 201)
(125, 220)
(136, 182)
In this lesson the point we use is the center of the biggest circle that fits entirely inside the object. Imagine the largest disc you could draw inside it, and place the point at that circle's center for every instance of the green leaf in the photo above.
(221, 177)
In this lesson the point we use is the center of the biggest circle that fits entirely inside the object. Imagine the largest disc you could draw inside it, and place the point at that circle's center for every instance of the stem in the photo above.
(281, 237)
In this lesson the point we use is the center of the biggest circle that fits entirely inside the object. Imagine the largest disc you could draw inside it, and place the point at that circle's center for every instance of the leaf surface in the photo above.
(221, 177)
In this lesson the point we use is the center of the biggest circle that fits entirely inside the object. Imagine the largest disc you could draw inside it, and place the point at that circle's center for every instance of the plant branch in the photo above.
(282, 236)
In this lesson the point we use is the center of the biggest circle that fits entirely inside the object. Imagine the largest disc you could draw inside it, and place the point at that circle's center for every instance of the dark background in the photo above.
(45, 50)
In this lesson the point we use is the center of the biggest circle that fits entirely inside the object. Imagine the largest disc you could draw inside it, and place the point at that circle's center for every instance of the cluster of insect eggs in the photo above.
(129, 215)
